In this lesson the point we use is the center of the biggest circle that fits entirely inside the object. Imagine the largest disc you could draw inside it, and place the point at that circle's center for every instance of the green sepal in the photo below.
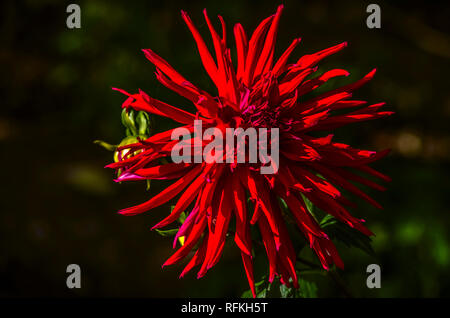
(128, 121)
(182, 217)
(105, 145)
(167, 233)
(143, 123)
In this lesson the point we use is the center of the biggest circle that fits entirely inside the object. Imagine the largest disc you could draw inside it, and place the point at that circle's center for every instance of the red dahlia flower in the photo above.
(260, 92)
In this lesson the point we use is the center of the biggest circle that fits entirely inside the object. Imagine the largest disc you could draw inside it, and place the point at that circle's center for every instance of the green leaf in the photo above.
(307, 289)
(347, 235)
(261, 290)
(309, 206)
(262, 294)
(165, 233)
(247, 294)
(264, 289)
(287, 292)
(275, 289)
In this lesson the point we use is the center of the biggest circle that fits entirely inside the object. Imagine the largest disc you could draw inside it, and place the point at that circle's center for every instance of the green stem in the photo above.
(340, 283)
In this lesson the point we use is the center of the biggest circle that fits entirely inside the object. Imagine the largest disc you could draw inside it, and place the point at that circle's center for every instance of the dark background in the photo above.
(58, 205)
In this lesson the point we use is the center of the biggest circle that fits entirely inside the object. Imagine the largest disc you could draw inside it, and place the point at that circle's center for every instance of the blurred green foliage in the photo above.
(58, 204)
